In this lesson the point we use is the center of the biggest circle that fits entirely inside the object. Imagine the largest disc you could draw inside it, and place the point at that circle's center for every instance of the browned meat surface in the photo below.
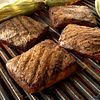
(42, 66)
(82, 39)
(63, 15)
(22, 32)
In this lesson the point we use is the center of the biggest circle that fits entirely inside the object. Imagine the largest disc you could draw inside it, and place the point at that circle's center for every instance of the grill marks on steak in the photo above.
(42, 66)
(22, 32)
(82, 39)
(73, 14)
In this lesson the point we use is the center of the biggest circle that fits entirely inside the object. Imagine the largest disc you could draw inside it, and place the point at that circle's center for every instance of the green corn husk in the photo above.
(97, 6)
(17, 7)
(59, 2)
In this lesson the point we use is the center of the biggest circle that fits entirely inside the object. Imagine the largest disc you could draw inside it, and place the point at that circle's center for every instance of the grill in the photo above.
(83, 85)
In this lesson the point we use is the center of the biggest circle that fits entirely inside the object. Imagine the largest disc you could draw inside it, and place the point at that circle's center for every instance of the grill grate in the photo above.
(84, 85)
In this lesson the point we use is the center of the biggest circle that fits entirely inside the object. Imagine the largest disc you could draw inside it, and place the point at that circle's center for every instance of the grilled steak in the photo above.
(82, 39)
(22, 32)
(42, 66)
(63, 15)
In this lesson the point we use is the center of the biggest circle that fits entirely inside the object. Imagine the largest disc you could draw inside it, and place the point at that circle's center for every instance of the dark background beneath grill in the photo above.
(83, 85)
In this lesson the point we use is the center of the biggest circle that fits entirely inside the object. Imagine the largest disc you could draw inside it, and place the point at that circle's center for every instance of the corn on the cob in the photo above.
(97, 6)
(59, 2)
(10, 9)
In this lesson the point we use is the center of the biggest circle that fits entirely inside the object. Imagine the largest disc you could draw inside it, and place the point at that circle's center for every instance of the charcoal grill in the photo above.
(83, 85)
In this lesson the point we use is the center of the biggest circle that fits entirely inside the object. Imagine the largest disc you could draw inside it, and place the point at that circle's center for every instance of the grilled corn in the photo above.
(16, 7)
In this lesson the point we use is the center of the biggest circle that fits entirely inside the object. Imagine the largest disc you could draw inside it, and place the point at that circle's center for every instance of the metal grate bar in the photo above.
(82, 88)
(90, 6)
(10, 51)
(90, 2)
(95, 87)
(16, 94)
(31, 97)
(94, 63)
(88, 69)
(3, 55)
(46, 97)
(3, 95)
(71, 91)
(59, 93)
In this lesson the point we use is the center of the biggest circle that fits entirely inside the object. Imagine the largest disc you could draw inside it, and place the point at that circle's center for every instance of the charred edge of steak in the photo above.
(74, 21)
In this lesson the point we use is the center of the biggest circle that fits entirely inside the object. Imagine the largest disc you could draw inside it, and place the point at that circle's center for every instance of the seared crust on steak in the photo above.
(42, 66)
(22, 32)
(82, 39)
(73, 14)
